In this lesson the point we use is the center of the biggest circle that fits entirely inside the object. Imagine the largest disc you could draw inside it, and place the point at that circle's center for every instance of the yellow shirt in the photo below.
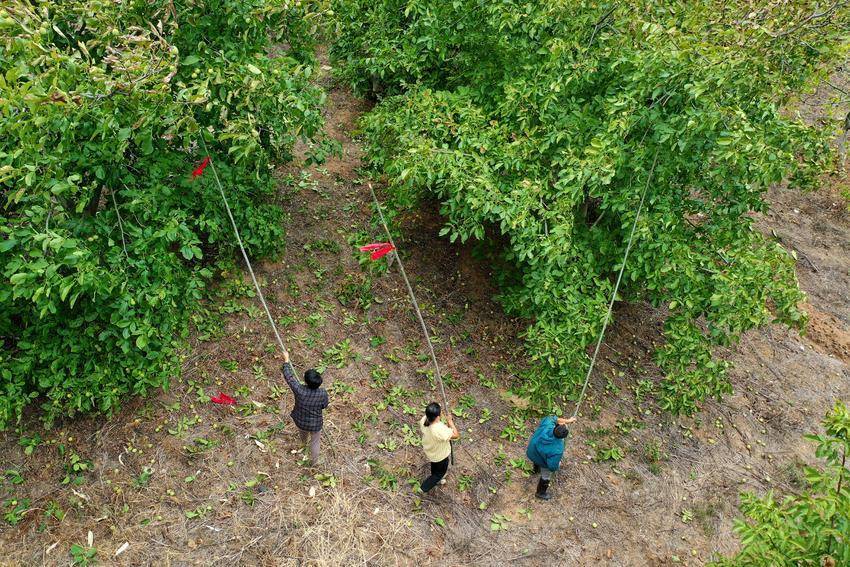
(435, 440)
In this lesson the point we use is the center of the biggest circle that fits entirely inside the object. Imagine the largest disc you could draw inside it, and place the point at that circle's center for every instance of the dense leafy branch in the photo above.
(811, 528)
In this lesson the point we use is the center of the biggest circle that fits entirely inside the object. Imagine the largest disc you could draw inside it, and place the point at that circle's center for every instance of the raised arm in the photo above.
(455, 432)
(289, 373)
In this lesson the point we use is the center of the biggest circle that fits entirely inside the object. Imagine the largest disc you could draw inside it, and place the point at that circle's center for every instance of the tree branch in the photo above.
(120, 224)
(813, 16)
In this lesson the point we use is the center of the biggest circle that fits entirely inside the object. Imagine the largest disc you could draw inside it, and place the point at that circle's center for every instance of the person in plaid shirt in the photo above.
(310, 400)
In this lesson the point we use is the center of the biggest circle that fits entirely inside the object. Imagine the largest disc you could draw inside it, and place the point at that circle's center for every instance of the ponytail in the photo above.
(432, 412)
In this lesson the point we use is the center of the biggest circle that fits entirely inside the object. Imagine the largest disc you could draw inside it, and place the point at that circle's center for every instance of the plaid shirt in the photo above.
(309, 403)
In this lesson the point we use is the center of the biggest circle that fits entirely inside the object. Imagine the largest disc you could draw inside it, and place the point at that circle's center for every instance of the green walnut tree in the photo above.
(105, 238)
(812, 527)
(537, 126)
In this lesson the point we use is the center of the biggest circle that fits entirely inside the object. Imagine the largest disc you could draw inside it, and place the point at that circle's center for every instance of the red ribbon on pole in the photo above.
(378, 249)
(200, 169)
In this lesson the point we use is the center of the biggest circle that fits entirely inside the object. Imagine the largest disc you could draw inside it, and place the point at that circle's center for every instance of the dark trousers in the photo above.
(438, 471)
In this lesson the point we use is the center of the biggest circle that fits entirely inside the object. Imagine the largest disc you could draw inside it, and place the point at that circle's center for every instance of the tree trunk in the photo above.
(91, 207)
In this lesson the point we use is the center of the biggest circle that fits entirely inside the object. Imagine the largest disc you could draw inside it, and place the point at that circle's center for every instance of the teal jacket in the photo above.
(544, 449)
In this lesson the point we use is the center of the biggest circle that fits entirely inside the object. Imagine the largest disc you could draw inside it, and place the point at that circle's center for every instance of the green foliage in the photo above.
(499, 522)
(515, 429)
(75, 469)
(464, 482)
(15, 510)
(537, 126)
(612, 453)
(144, 478)
(199, 512)
(811, 528)
(387, 480)
(106, 238)
(14, 476)
(339, 355)
(83, 555)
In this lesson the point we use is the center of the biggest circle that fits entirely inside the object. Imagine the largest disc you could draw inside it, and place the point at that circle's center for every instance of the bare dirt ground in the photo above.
(182, 481)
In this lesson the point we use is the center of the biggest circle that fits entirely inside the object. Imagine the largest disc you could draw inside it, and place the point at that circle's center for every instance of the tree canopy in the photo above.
(538, 125)
(106, 239)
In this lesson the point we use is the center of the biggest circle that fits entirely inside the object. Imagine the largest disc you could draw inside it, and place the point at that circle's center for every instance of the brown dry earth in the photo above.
(250, 500)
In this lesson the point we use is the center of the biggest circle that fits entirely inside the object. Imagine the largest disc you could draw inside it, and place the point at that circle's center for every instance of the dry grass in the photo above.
(347, 532)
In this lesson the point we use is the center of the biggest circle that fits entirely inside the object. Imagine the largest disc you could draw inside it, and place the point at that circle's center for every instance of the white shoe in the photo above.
(443, 481)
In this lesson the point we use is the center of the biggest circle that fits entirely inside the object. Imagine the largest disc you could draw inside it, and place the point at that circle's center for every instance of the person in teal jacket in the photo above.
(545, 450)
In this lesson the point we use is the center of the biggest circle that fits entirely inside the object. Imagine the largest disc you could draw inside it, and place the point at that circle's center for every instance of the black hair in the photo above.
(432, 412)
(561, 431)
(312, 378)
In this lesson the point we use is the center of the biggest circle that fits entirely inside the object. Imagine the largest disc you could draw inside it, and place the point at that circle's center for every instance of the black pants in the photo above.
(438, 471)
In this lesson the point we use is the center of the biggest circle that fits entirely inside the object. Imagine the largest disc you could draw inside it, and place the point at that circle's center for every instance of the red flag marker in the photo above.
(373, 246)
(200, 169)
(381, 252)
(378, 249)
(223, 399)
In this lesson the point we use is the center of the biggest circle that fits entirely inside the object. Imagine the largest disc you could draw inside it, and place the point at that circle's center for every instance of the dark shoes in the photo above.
(542, 485)
(543, 490)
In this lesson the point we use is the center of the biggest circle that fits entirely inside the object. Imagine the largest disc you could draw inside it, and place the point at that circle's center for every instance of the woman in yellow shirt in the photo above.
(436, 442)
